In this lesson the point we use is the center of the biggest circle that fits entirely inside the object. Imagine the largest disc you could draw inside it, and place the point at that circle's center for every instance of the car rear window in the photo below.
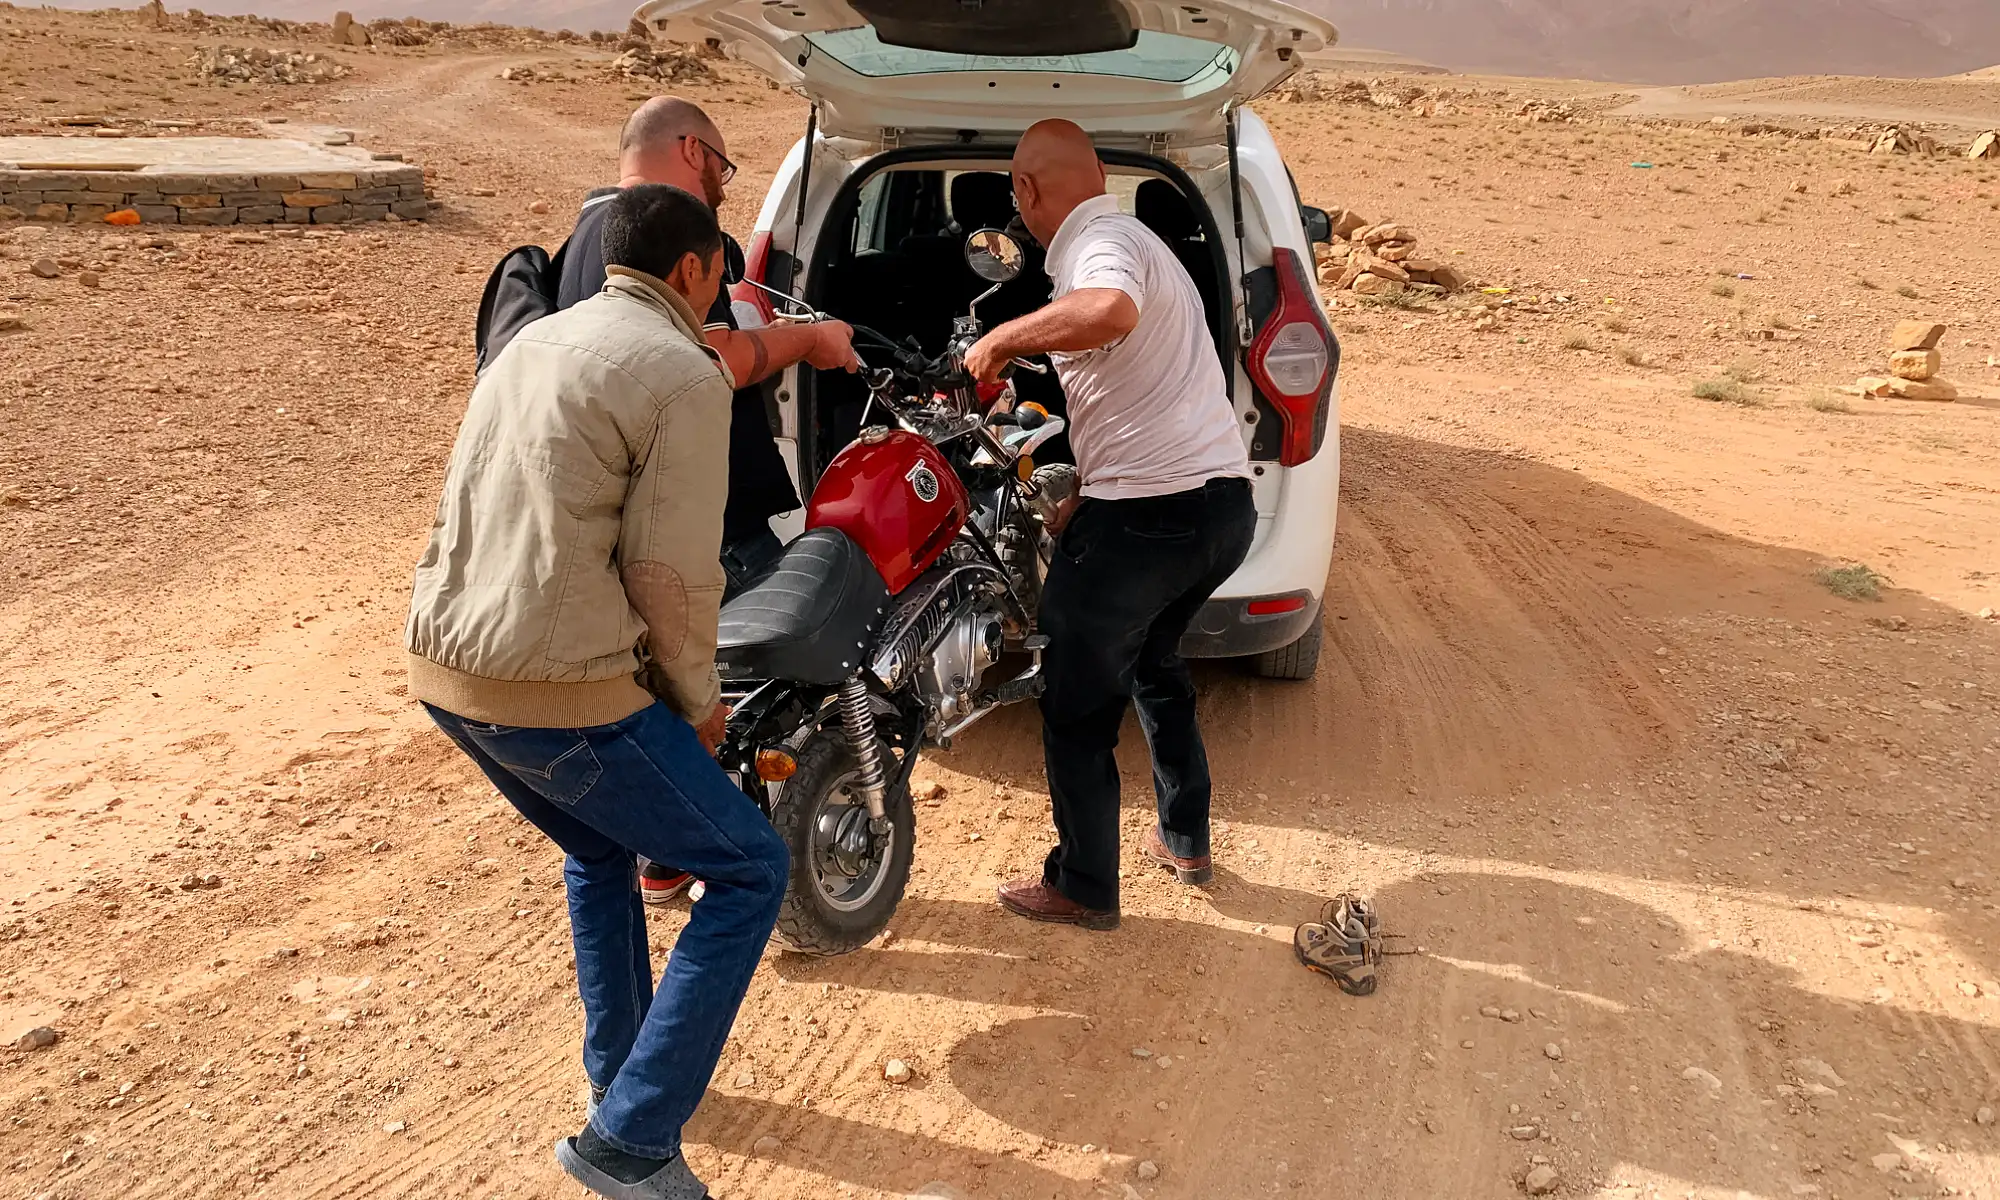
(1159, 57)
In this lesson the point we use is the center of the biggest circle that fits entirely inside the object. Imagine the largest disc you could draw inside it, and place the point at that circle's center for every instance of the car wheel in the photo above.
(1297, 661)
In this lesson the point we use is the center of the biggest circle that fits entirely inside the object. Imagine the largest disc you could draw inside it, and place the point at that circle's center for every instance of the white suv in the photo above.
(917, 105)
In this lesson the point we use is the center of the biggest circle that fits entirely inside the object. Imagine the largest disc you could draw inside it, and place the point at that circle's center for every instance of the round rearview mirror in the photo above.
(993, 256)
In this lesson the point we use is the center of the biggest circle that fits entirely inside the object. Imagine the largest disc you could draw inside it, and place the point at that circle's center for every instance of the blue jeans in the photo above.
(605, 794)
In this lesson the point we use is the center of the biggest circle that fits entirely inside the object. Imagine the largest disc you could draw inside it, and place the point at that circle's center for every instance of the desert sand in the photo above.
(1696, 856)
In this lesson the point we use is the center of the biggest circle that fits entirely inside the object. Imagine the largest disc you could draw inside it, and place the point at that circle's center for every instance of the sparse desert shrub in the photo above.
(1632, 357)
(1616, 325)
(1725, 391)
(1826, 401)
(1851, 582)
(1907, 292)
(1866, 284)
(1744, 371)
(1722, 288)
(1776, 321)
(1578, 341)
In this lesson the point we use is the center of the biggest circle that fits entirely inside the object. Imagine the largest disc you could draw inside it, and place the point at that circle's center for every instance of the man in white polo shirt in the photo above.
(1165, 516)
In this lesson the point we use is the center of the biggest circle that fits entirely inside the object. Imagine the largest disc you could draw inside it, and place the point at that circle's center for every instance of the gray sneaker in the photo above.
(674, 1181)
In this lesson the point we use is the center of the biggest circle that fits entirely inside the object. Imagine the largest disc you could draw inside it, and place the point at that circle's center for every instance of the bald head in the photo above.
(1056, 168)
(670, 140)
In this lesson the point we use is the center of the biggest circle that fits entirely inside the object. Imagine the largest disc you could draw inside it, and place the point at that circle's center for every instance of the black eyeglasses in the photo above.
(728, 168)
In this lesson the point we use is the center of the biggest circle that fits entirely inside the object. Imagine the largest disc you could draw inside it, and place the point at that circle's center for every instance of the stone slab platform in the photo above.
(203, 181)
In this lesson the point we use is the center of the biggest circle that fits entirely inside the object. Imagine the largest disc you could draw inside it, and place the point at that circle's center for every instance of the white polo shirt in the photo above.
(1149, 414)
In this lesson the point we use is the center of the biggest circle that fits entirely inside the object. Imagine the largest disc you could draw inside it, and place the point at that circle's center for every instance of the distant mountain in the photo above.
(1680, 41)
(1636, 41)
(579, 15)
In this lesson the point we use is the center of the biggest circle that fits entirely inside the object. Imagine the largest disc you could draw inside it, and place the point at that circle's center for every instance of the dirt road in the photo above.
(1963, 102)
(1696, 856)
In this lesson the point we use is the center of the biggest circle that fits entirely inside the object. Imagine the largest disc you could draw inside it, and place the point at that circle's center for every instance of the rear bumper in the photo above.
(1226, 628)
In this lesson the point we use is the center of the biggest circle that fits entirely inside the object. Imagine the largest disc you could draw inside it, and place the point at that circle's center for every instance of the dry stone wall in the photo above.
(366, 193)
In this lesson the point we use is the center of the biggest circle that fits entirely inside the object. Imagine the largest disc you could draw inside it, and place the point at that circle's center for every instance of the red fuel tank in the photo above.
(895, 495)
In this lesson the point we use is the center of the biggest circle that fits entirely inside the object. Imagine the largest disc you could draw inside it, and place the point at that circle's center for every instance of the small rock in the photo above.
(1886, 1163)
(1148, 1169)
(395, 1127)
(89, 279)
(1525, 1133)
(1915, 335)
(1540, 1181)
(1814, 1068)
(898, 1071)
(1984, 1116)
(1141, 1052)
(10, 322)
(1706, 1078)
(1511, 1015)
(1467, 1044)
(539, 207)
(745, 1079)
(766, 1146)
(938, 1190)
(44, 268)
(1915, 365)
(41, 1037)
(1553, 1051)
(1491, 1012)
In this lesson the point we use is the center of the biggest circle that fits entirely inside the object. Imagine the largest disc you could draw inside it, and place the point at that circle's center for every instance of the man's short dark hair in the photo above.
(652, 226)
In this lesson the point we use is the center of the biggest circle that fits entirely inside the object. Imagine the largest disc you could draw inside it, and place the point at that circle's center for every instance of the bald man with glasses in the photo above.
(672, 141)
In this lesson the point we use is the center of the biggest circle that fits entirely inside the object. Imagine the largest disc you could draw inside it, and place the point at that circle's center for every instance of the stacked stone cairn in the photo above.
(1381, 260)
(1914, 360)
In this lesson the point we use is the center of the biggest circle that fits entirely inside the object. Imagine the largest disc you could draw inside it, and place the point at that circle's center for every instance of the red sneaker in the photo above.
(660, 885)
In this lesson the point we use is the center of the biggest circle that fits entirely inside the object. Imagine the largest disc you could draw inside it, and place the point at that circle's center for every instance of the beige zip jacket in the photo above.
(582, 510)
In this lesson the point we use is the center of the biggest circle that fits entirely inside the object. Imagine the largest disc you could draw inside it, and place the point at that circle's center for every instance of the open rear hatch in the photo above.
(907, 71)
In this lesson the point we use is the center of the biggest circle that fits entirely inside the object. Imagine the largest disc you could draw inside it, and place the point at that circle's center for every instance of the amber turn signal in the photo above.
(775, 766)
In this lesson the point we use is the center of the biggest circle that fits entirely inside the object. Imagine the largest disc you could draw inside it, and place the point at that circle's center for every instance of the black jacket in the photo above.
(759, 486)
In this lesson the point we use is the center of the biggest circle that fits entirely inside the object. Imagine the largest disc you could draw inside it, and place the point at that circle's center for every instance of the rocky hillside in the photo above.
(1637, 41)
(1680, 41)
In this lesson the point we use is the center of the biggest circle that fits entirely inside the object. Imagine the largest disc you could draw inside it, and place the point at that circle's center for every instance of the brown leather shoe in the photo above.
(1197, 870)
(1037, 901)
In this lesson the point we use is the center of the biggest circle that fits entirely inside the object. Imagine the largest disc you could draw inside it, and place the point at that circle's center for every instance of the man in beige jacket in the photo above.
(582, 515)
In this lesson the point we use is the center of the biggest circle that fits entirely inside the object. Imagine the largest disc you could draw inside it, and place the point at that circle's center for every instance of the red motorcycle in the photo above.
(903, 614)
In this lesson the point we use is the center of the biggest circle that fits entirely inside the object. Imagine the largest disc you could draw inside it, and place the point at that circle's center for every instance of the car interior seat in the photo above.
(1162, 208)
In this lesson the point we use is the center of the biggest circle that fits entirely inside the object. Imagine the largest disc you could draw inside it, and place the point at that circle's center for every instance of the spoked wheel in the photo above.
(847, 878)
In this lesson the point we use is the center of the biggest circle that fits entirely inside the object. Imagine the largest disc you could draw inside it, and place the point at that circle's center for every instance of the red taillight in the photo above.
(1271, 608)
(1293, 359)
(755, 260)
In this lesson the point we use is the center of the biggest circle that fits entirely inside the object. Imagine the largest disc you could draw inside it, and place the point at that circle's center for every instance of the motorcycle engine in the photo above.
(971, 643)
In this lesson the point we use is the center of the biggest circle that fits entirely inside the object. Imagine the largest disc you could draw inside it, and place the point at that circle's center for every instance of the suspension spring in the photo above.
(857, 720)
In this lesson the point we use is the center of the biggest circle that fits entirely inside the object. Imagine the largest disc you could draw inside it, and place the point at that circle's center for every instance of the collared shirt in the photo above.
(1149, 415)
(760, 486)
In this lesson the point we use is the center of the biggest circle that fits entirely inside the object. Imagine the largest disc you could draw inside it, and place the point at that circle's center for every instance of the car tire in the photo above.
(1300, 660)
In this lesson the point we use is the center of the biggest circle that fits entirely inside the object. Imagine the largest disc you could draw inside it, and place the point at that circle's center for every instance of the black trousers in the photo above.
(1128, 577)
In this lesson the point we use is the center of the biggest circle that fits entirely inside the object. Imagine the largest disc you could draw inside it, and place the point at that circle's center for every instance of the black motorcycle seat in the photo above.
(810, 619)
